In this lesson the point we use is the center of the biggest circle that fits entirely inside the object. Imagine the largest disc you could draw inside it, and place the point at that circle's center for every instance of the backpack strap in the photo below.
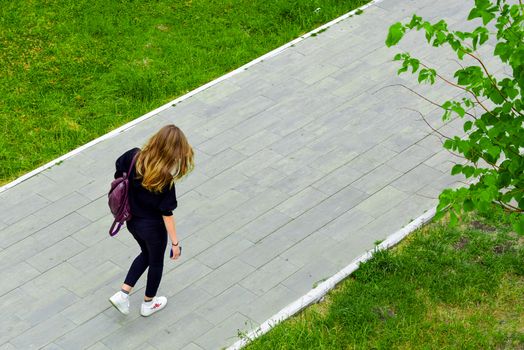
(113, 231)
(132, 164)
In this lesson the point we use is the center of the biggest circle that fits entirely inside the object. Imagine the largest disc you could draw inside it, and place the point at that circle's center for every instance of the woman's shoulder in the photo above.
(131, 153)
(128, 155)
(123, 162)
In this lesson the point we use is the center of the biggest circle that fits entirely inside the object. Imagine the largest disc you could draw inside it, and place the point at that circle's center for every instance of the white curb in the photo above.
(180, 99)
(317, 293)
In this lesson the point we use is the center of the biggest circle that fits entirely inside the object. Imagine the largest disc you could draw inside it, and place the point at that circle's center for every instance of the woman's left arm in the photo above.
(169, 222)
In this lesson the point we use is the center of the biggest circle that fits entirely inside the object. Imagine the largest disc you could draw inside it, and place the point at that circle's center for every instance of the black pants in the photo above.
(151, 236)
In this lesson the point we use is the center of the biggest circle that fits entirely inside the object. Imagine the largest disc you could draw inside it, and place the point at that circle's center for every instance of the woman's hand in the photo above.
(176, 251)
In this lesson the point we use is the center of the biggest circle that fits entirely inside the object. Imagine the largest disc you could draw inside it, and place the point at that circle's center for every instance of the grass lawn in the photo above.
(74, 70)
(442, 288)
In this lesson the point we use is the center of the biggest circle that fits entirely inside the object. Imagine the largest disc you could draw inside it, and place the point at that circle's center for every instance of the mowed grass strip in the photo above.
(74, 70)
(442, 288)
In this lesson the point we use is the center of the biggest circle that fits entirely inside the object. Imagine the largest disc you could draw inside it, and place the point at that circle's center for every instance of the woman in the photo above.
(166, 158)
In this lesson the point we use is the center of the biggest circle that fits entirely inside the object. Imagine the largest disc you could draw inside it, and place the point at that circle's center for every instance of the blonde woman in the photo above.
(166, 158)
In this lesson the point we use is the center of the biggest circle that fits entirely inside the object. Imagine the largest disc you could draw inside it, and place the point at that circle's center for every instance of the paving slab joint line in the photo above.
(135, 122)
(323, 288)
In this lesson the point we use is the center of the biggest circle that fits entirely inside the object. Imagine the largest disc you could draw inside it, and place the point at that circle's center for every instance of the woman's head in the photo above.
(166, 158)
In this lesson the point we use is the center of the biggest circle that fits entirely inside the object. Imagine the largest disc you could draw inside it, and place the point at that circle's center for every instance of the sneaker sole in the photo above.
(116, 307)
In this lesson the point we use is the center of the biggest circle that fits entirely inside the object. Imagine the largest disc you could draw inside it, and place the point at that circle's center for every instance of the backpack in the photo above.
(119, 200)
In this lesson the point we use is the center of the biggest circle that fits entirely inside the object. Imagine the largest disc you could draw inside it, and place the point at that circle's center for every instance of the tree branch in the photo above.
(428, 124)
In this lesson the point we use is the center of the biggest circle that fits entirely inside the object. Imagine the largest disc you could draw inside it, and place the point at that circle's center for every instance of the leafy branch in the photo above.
(496, 135)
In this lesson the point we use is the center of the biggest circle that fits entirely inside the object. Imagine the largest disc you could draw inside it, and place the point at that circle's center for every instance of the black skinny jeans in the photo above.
(151, 236)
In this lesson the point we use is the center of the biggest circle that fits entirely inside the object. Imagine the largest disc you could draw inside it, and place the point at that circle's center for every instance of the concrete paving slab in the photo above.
(11, 234)
(224, 276)
(98, 346)
(310, 275)
(14, 276)
(88, 333)
(184, 275)
(15, 212)
(181, 333)
(218, 309)
(44, 333)
(12, 326)
(89, 307)
(60, 229)
(275, 299)
(7, 346)
(269, 275)
(226, 332)
(56, 254)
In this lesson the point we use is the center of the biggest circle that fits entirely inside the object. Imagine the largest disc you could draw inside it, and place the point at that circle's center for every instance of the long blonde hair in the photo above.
(166, 158)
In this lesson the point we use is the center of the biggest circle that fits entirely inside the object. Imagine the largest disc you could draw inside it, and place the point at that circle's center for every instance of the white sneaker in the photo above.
(150, 307)
(121, 302)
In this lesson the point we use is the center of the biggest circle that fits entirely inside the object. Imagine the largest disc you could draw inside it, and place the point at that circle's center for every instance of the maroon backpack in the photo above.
(119, 200)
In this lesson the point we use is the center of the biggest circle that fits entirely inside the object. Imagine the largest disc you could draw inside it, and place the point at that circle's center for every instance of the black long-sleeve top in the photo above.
(144, 203)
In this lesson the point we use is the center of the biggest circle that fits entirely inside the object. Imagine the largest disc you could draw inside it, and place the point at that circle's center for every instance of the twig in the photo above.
(421, 96)
(457, 155)
(413, 91)
(456, 61)
(428, 124)
(509, 207)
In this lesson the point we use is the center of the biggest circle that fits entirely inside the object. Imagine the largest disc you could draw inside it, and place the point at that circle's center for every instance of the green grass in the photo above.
(442, 288)
(74, 70)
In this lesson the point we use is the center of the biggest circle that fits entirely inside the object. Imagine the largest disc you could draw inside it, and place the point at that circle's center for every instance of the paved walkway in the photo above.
(303, 162)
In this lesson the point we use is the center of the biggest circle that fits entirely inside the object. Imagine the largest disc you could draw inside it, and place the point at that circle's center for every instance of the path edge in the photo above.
(179, 99)
(317, 293)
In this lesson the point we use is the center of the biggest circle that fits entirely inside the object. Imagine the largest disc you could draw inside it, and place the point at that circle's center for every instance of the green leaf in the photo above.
(415, 21)
(459, 110)
(415, 64)
(448, 144)
(438, 215)
(453, 218)
(484, 36)
(503, 50)
(474, 13)
(518, 224)
(468, 171)
(397, 57)
(468, 103)
(396, 32)
(487, 17)
(427, 75)
(402, 70)
(494, 151)
(468, 125)
(457, 169)
(468, 205)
